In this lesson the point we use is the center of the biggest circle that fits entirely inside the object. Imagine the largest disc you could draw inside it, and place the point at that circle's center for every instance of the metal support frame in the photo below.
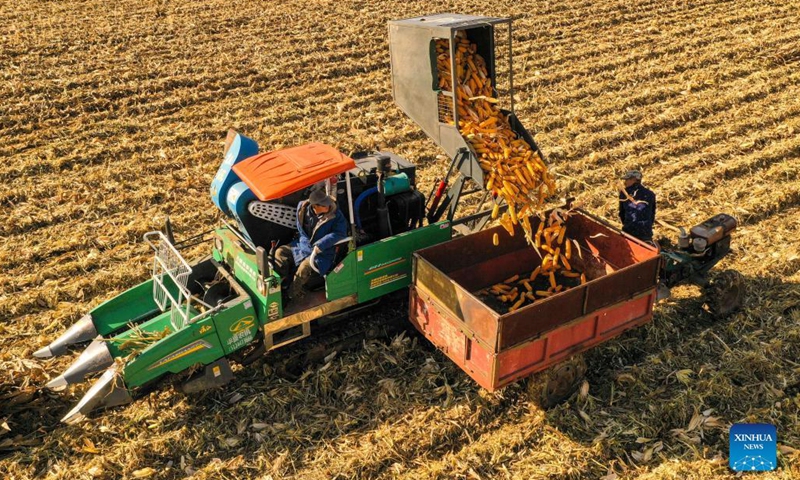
(239, 235)
(453, 78)
(453, 196)
(510, 68)
(193, 240)
(476, 221)
(437, 209)
(304, 332)
(303, 318)
(350, 204)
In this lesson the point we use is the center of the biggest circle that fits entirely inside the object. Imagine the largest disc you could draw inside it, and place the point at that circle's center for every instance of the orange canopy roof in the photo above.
(277, 174)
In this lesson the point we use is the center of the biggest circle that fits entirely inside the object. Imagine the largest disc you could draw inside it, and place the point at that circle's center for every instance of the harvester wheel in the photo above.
(558, 383)
(725, 293)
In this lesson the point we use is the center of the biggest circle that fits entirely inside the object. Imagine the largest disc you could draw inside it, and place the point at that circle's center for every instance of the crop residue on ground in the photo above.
(114, 115)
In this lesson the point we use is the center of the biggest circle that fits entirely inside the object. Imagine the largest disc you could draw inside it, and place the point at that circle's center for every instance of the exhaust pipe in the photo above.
(95, 358)
(108, 391)
(81, 331)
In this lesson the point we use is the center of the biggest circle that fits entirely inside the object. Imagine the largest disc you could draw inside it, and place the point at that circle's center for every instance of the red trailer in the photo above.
(497, 349)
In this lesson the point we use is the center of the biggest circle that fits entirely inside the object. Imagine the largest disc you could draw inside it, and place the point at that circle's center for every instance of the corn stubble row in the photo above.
(513, 170)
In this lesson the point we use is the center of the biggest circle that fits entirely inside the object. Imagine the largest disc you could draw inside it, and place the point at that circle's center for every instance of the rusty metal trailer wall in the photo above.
(497, 349)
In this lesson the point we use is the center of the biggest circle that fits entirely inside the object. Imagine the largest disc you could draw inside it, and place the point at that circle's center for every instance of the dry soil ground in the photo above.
(114, 113)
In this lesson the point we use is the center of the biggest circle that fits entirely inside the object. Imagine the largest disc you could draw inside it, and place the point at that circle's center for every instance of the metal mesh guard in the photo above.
(173, 264)
(169, 262)
(274, 212)
(445, 108)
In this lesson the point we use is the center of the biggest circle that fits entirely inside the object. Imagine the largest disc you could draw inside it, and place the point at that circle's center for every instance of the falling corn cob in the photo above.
(513, 170)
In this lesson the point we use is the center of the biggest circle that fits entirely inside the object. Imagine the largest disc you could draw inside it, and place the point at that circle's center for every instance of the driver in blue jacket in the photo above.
(320, 225)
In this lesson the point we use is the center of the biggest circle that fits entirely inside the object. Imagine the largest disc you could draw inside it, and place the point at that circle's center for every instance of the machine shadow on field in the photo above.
(646, 354)
(678, 383)
(402, 391)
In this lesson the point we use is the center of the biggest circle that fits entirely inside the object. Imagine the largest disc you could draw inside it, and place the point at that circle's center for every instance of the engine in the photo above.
(699, 250)
(404, 204)
(708, 233)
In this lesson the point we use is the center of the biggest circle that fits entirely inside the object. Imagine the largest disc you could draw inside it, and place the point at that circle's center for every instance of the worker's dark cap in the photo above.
(632, 174)
(318, 197)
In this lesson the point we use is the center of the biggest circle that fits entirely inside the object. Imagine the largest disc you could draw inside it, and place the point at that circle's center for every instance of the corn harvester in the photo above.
(197, 317)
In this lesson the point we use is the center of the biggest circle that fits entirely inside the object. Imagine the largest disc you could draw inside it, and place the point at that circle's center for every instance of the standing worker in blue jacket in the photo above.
(637, 207)
(320, 225)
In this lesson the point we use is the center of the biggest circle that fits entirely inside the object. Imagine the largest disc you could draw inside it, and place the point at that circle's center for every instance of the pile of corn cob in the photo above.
(555, 266)
(513, 170)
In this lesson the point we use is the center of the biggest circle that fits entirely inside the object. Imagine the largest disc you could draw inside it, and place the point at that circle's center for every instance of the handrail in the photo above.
(241, 237)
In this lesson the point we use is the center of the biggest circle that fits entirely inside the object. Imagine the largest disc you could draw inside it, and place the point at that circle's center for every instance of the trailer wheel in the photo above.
(725, 293)
(559, 382)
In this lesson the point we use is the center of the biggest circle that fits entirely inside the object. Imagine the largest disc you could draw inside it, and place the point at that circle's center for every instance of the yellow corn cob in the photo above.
(489, 121)
(535, 273)
(510, 187)
(515, 171)
(520, 176)
(518, 304)
(496, 212)
(505, 221)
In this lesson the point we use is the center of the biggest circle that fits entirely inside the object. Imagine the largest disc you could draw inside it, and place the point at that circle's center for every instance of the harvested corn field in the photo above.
(114, 116)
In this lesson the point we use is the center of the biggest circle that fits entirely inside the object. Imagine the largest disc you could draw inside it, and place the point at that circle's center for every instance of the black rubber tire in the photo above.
(725, 293)
(558, 383)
